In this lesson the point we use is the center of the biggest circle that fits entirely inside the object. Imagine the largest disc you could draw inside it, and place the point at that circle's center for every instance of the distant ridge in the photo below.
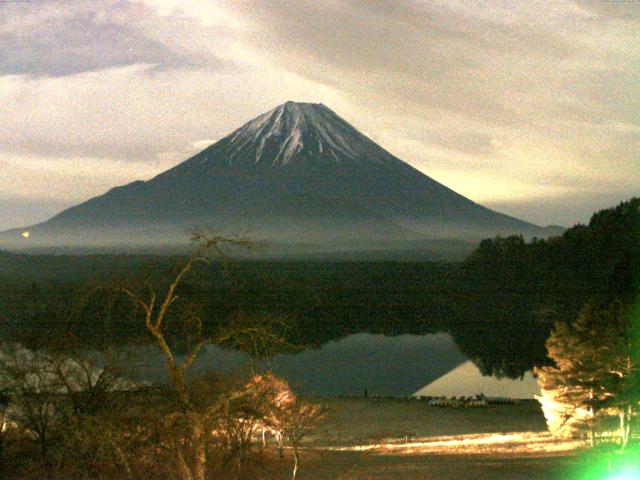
(298, 173)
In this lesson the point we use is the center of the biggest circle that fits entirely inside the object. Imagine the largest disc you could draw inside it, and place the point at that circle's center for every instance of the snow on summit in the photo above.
(296, 134)
(298, 173)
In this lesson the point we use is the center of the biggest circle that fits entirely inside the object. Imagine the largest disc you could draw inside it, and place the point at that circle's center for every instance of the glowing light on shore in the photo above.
(627, 475)
(611, 464)
(25, 234)
(478, 443)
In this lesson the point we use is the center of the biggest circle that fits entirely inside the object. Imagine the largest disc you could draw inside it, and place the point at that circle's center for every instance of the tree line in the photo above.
(584, 288)
(500, 305)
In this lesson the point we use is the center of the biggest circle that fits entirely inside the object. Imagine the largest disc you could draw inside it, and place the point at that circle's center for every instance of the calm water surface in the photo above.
(395, 366)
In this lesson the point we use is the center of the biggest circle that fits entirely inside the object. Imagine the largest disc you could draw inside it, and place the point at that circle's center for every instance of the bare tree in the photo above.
(261, 336)
(190, 447)
(298, 421)
(284, 413)
(53, 398)
(33, 389)
(90, 409)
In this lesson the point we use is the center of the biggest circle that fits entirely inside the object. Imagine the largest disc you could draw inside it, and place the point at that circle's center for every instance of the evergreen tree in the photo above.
(596, 368)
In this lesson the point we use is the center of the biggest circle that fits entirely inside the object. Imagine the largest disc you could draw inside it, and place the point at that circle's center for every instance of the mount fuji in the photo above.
(296, 174)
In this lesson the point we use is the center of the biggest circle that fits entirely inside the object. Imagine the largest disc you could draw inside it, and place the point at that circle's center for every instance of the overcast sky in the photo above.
(531, 107)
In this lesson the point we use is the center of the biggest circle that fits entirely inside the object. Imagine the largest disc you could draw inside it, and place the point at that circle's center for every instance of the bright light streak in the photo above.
(628, 474)
(610, 464)
(482, 443)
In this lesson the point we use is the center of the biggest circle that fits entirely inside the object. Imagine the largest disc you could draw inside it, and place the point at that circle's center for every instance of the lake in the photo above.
(383, 365)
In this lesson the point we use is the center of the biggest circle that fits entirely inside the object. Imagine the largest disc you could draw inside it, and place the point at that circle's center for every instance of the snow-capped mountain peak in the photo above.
(294, 135)
(298, 173)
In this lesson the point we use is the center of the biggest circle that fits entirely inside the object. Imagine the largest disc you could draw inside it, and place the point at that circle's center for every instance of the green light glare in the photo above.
(609, 464)
(626, 475)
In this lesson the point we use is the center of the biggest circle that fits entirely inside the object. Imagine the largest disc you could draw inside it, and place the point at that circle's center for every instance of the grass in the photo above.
(384, 439)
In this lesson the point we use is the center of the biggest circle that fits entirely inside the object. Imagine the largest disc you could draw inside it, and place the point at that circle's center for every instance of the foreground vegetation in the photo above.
(81, 419)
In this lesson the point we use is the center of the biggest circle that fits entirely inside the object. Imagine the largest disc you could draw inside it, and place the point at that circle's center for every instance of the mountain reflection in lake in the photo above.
(395, 366)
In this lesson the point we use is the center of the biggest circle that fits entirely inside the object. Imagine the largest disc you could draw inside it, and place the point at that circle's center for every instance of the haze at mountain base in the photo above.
(296, 174)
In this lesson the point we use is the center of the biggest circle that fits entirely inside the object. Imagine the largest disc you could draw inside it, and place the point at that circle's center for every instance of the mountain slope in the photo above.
(297, 173)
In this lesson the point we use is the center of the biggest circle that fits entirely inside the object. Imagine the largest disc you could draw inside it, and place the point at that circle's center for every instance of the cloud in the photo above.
(202, 144)
(130, 114)
(66, 139)
(67, 179)
(26, 211)
(502, 103)
(42, 39)
(569, 208)
(489, 97)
